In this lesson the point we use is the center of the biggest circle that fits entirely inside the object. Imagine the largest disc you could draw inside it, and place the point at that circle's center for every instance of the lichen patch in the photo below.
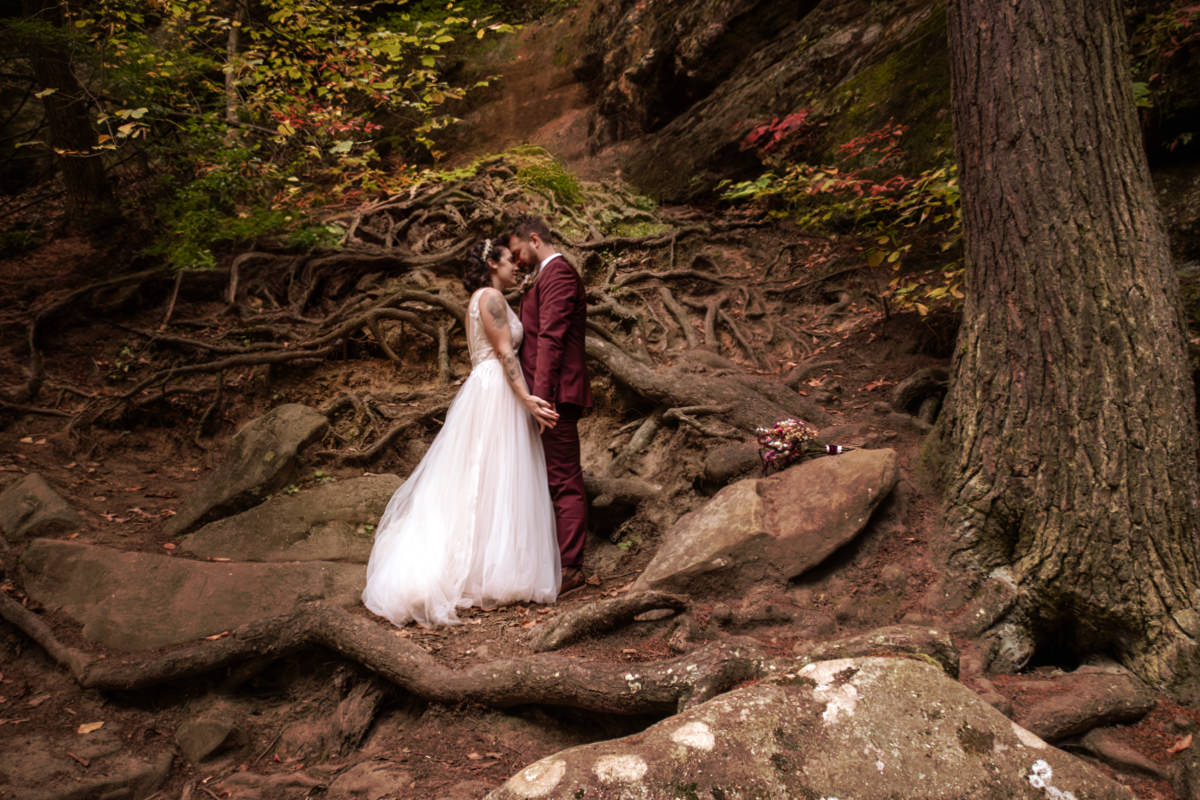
(538, 779)
(695, 734)
(834, 688)
(620, 769)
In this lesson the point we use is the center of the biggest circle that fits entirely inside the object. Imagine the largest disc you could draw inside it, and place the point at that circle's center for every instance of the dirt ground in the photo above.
(126, 482)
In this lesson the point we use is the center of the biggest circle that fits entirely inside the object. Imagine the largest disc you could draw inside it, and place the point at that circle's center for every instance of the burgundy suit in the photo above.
(554, 315)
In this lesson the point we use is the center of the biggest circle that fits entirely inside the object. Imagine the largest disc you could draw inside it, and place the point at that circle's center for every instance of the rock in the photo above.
(136, 601)
(30, 507)
(1013, 647)
(689, 78)
(1067, 704)
(1108, 746)
(259, 459)
(210, 732)
(894, 577)
(371, 780)
(329, 522)
(1185, 774)
(930, 643)
(38, 768)
(722, 464)
(772, 528)
(867, 728)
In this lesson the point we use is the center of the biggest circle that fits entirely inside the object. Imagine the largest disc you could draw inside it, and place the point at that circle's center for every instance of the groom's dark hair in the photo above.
(530, 223)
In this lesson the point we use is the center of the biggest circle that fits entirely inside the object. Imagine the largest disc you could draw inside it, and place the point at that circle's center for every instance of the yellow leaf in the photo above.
(88, 727)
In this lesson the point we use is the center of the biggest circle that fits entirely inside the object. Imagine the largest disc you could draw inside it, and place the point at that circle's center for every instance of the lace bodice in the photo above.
(477, 342)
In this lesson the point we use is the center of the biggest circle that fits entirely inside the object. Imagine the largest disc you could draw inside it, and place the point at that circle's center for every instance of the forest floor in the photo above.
(127, 481)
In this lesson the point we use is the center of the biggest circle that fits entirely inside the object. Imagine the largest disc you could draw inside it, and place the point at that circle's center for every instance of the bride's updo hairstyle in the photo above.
(475, 271)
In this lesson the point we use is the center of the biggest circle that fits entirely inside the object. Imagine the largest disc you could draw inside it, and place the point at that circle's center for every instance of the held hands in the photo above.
(543, 411)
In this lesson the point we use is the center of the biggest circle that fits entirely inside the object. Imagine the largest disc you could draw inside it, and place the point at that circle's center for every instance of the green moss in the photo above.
(542, 172)
(912, 86)
(638, 229)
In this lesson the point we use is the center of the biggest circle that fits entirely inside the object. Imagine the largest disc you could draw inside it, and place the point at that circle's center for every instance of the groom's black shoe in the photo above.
(572, 579)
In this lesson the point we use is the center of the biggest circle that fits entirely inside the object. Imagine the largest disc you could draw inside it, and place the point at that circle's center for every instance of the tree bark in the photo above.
(1071, 418)
(90, 201)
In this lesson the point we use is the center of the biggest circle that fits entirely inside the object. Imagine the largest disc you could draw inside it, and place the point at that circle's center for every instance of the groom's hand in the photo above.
(543, 411)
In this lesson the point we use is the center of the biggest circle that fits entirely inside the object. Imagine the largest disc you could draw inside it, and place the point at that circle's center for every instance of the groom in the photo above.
(554, 315)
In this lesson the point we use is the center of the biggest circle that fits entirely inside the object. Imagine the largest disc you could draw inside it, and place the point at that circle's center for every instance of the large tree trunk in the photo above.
(1070, 423)
(90, 201)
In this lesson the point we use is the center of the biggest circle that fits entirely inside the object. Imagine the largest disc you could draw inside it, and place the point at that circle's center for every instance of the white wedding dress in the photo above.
(473, 524)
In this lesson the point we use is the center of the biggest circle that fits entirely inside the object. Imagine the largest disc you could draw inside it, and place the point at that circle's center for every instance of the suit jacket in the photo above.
(554, 315)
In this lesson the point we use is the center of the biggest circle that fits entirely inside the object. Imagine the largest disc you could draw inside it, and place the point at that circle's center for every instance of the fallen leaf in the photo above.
(26, 440)
(99, 498)
(220, 558)
(168, 545)
(1181, 745)
(37, 701)
(629, 651)
(474, 756)
(88, 727)
(40, 441)
(545, 610)
(216, 636)
(592, 581)
(529, 623)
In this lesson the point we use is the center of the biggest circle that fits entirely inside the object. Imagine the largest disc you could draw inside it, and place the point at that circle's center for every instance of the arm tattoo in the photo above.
(498, 309)
(512, 369)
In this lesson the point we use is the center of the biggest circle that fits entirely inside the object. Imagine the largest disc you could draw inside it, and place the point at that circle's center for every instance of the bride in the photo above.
(474, 524)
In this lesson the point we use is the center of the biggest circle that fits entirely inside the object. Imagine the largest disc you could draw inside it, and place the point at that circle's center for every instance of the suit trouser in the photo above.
(565, 475)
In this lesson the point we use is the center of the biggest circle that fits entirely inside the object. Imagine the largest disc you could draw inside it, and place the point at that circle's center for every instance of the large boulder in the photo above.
(136, 601)
(260, 458)
(31, 507)
(680, 83)
(772, 528)
(867, 728)
(329, 522)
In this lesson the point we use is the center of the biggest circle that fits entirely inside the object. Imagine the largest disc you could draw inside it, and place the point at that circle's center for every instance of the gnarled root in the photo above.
(597, 618)
(660, 687)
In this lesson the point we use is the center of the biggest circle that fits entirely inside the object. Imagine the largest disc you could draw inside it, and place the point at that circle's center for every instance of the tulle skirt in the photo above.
(473, 524)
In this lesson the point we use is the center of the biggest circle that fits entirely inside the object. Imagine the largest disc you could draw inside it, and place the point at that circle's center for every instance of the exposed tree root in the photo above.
(597, 618)
(751, 403)
(661, 687)
(390, 289)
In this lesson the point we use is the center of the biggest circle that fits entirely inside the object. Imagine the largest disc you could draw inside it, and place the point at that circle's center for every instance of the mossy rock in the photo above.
(910, 86)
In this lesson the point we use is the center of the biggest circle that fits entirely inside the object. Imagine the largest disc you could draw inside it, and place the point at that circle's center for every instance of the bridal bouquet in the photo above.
(788, 441)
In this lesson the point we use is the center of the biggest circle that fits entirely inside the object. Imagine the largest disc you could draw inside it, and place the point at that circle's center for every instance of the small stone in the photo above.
(894, 577)
(30, 507)
(209, 733)
(1107, 744)
(1182, 723)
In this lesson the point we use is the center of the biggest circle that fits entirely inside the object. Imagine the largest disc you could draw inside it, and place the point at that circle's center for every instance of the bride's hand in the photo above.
(543, 411)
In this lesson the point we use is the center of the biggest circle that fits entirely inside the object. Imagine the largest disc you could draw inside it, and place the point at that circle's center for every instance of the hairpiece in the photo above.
(487, 248)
